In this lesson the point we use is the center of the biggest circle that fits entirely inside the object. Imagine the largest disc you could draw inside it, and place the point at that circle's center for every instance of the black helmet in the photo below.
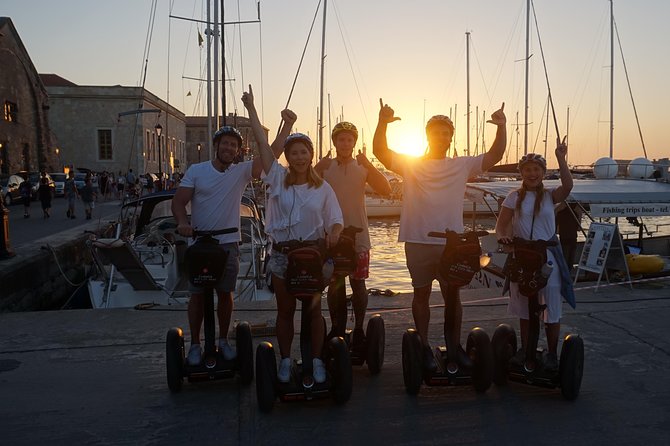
(298, 137)
(229, 131)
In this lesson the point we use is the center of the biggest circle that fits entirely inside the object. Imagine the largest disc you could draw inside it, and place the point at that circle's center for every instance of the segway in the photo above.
(526, 268)
(305, 281)
(344, 262)
(461, 259)
(206, 260)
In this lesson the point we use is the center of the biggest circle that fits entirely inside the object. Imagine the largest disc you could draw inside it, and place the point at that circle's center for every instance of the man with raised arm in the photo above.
(433, 191)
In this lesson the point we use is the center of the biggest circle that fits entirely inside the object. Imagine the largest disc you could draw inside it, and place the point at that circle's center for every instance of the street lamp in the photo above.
(159, 130)
(199, 147)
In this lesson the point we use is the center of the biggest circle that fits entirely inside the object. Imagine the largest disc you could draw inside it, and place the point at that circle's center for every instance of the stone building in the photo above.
(115, 128)
(26, 142)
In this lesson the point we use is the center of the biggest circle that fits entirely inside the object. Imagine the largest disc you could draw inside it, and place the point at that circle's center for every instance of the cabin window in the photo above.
(11, 111)
(104, 144)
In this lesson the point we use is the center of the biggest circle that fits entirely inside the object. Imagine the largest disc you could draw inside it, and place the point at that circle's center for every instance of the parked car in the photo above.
(11, 193)
(59, 182)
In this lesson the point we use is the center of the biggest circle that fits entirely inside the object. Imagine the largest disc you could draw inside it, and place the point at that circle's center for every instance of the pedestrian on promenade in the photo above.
(88, 197)
(433, 190)
(120, 186)
(104, 184)
(26, 193)
(348, 176)
(528, 213)
(301, 206)
(71, 194)
(214, 188)
(130, 177)
(45, 194)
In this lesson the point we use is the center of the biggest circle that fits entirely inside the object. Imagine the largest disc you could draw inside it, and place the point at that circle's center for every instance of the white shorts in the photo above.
(549, 296)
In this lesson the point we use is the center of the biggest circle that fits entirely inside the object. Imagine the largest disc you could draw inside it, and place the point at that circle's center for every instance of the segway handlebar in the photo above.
(212, 233)
(517, 241)
(462, 234)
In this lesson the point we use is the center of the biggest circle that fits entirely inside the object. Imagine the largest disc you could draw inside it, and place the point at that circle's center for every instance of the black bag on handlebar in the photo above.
(529, 257)
(344, 254)
(460, 258)
(304, 270)
(206, 260)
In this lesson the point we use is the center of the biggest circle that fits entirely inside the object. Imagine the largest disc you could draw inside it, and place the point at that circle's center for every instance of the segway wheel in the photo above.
(174, 358)
(504, 347)
(412, 370)
(376, 339)
(478, 347)
(571, 366)
(266, 376)
(245, 352)
(340, 370)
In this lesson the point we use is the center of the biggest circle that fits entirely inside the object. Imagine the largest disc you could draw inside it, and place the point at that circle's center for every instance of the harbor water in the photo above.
(387, 257)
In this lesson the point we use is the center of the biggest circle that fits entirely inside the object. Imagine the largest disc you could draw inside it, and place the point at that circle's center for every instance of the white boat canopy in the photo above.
(616, 197)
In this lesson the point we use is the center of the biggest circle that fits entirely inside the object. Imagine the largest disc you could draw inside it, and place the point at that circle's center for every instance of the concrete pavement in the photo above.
(98, 377)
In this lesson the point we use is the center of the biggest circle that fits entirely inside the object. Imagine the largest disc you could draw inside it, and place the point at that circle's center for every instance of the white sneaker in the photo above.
(318, 371)
(284, 372)
(194, 354)
(227, 351)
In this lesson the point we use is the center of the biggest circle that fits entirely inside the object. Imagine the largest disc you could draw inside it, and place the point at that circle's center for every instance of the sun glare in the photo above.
(407, 143)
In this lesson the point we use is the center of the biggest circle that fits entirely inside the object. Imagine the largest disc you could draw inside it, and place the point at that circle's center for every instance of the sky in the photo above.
(411, 54)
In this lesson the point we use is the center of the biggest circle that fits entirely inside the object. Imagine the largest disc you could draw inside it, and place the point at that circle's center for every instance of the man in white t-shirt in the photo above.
(214, 189)
(433, 190)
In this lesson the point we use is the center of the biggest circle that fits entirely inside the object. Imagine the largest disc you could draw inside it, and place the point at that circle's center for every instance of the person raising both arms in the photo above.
(433, 191)
(348, 177)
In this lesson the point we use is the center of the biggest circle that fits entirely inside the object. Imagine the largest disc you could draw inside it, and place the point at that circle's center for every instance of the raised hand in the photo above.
(386, 113)
(288, 116)
(498, 117)
(561, 148)
(248, 98)
(362, 159)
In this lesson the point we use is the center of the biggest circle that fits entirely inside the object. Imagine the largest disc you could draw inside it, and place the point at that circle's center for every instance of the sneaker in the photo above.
(358, 342)
(429, 363)
(550, 362)
(318, 371)
(194, 354)
(284, 372)
(226, 350)
(68, 213)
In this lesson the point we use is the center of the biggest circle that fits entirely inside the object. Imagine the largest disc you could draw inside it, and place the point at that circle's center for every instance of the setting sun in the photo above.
(406, 141)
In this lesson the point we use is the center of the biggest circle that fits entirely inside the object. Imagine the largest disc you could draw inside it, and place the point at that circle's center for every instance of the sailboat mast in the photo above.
(223, 67)
(209, 82)
(467, 69)
(216, 64)
(323, 61)
(525, 106)
(611, 78)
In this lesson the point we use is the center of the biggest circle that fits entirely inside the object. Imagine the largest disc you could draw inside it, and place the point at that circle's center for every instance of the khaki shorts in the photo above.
(423, 261)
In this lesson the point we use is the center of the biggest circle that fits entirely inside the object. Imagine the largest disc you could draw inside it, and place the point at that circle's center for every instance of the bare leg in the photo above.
(421, 311)
(285, 313)
(224, 311)
(359, 300)
(195, 316)
(553, 331)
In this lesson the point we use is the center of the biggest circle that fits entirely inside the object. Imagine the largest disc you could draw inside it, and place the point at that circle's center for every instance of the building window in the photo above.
(11, 111)
(104, 144)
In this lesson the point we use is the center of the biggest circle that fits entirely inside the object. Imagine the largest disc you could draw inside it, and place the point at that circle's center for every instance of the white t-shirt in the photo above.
(544, 226)
(433, 191)
(217, 196)
(299, 212)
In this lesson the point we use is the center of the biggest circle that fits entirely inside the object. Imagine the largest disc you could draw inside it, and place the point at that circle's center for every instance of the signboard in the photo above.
(597, 246)
(603, 248)
(629, 209)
